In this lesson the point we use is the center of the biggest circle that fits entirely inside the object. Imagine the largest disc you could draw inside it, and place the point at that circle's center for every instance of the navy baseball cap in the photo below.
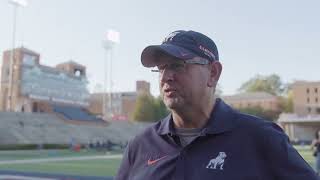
(182, 45)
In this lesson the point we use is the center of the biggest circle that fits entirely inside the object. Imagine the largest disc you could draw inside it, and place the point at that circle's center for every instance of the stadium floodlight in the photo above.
(16, 4)
(113, 36)
(112, 39)
(22, 3)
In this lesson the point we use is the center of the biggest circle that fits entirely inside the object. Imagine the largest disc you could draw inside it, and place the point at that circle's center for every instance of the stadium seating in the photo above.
(74, 113)
(30, 128)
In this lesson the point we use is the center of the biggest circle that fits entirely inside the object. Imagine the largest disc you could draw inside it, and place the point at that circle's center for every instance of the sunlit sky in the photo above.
(253, 37)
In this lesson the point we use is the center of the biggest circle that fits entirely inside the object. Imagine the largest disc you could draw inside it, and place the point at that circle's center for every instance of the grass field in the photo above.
(36, 154)
(306, 153)
(101, 167)
(94, 167)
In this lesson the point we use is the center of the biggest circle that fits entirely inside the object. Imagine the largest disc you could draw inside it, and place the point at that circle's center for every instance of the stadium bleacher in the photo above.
(30, 128)
(74, 113)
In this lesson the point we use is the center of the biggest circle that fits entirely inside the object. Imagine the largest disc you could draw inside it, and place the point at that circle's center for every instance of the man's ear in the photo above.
(215, 71)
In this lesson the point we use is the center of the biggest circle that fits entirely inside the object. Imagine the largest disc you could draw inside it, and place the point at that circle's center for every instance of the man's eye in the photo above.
(173, 67)
(176, 66)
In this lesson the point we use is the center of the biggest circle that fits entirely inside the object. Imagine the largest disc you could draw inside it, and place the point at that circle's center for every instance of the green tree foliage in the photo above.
(144, 109)
(271, 84)
(161, 110)
(260, 112)
(286, 102)
(149, 109)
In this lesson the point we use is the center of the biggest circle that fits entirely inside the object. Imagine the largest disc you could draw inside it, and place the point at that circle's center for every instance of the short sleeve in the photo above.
(283, 159)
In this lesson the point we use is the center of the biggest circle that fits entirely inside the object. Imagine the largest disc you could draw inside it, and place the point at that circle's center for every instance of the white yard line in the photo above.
(59, 159)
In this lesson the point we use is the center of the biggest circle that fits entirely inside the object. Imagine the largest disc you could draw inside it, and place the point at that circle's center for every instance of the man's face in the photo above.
(182, 85)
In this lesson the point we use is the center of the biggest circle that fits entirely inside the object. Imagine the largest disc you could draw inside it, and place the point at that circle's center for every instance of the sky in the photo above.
(253, 37)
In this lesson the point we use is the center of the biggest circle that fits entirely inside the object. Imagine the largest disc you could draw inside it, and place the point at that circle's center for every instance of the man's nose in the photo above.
(167, 75)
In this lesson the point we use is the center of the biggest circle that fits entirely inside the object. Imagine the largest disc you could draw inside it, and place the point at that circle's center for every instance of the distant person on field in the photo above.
(204, 138)
(315, 146)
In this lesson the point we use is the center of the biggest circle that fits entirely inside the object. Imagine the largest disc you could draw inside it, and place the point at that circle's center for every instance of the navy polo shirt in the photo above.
(232, 146)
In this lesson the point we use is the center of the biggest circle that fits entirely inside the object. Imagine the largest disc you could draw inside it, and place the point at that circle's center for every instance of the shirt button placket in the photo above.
(180, 168)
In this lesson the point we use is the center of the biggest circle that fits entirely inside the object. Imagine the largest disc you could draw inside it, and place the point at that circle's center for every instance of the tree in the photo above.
(144, 109)
(149, 109)
(160, 108)
(286, 102)
(260, 112)
(271, 84)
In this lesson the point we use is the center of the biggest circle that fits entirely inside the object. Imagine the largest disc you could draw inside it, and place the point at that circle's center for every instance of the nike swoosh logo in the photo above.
(151, 162)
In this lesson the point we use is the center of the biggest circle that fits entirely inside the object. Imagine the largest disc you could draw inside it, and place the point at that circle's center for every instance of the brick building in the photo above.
(306, 97)
(305, 121)
(33, 87)
(122, 104)
(255, 99)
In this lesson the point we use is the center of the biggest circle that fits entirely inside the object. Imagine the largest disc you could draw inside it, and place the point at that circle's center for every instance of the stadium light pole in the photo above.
(16, 4)
(113, 38)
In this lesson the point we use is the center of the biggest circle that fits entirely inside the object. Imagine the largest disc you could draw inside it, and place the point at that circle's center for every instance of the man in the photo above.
(203, 138)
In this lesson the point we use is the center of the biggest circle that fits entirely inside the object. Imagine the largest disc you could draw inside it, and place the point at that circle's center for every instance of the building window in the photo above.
(308, 90)
(318, 110)
(34, 107)
(308, 100)
(316, 90)
(316, 99)
(309, 109)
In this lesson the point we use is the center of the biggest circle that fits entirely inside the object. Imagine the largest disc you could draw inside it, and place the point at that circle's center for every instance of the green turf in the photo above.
(306, 153)
(101, 167)
(36, 154)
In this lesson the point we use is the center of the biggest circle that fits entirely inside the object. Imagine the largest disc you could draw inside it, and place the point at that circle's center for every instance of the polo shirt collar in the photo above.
(222, 119)
(166, 126)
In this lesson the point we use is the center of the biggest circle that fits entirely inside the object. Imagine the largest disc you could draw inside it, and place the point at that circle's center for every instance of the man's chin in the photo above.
(172, 103)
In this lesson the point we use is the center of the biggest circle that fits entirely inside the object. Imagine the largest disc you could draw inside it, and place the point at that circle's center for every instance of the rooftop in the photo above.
(249, 96)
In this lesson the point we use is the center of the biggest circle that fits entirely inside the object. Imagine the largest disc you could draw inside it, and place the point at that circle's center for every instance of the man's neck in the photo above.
(193, 118)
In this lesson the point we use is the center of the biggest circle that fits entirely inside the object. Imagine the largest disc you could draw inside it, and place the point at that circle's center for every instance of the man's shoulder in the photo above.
(250, 120)
(149, 131)
(241, 120)
(257, 124)
(264, 134)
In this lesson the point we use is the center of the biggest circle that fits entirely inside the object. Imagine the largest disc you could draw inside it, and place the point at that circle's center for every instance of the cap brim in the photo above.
(150, 53)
